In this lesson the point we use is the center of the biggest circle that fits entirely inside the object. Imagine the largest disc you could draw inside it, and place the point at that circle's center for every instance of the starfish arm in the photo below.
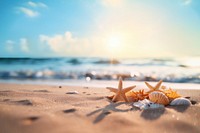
(120, 84)
(124, 97)
(149, 86)
(158, 85)
(115, 97)
(149, 91)
(112, 89)
(125, 90)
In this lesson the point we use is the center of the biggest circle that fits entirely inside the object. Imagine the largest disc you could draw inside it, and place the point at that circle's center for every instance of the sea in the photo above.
(175, 70)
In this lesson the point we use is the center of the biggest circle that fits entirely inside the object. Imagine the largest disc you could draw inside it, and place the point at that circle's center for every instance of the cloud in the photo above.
(30, 9)
(38, 4)
(9, 45)
(28, 12)
(59, 43)
(68, 45)
(24, 45)
(187, 2)
(20, 45)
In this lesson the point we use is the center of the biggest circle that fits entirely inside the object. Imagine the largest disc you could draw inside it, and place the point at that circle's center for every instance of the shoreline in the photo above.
(99, 83)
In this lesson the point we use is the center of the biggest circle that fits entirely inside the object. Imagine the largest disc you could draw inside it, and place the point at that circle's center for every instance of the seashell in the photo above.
(158, 97)
(146, 104)
(180, 101)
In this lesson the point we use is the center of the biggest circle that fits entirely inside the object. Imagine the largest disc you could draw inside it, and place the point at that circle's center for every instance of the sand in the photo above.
(48, 109)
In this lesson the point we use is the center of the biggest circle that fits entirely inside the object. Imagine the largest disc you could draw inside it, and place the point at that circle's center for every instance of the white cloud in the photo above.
(9, 45)
(29, 12)
(187, 2)
(39, 4)
(30, 3)
(24, 45)
(42, 5)
(59, 43)
(10, 42)
(68, 45)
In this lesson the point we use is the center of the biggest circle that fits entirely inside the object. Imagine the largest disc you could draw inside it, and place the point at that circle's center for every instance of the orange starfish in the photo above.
(171, 94)
(137, 95)
(120, 92)
(155, 88)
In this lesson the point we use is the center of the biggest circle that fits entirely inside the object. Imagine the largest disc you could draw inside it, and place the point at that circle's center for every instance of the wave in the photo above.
(146, 69)
(98, 75)
(77, 61)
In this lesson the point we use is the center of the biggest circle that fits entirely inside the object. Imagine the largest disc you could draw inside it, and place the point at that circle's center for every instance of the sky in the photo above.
(99, 28)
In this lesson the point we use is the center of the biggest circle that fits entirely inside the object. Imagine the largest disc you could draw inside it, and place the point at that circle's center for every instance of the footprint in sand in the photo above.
(30, 120)
(24, 102)
(41, 91)
(69, 110)
(96, 98)
(20, 102)
(6, 100)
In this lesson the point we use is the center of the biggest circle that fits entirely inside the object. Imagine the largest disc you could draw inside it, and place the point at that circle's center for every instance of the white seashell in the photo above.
(146, 104)
(156, 105)
(180, 101)
(158, 97)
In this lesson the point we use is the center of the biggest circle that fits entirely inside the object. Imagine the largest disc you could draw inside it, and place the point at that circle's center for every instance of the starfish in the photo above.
(155, 88)
(171, 94)
(137, 95)
(120, 92)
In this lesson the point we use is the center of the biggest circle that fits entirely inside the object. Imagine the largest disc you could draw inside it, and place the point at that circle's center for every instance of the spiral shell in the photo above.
(180, 101)
(158, 97)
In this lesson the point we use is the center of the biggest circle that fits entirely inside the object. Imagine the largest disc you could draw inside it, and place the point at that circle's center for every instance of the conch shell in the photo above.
(158, 97)
(180, 101)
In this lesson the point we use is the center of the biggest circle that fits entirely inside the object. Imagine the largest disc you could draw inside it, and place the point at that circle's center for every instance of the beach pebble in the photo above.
(72, 92)
(146, 104)
(69, 110)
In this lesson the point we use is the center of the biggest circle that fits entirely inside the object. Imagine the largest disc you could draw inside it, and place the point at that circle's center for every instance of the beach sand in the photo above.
(48, 109)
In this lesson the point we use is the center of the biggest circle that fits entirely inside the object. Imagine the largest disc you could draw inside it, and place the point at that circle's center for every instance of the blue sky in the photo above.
(100, 28)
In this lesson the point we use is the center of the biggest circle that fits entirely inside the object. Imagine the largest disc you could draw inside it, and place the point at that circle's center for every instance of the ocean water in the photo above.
(185, 70)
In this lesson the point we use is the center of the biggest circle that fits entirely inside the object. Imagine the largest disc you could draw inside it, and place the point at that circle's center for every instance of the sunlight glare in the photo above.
(114, 43)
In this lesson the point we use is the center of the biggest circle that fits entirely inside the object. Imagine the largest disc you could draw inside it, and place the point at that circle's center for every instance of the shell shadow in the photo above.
(152, 114)
(108, 109)
(179, 108)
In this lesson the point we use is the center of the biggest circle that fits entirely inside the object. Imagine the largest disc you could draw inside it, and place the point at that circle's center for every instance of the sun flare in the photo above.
(114, 43)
